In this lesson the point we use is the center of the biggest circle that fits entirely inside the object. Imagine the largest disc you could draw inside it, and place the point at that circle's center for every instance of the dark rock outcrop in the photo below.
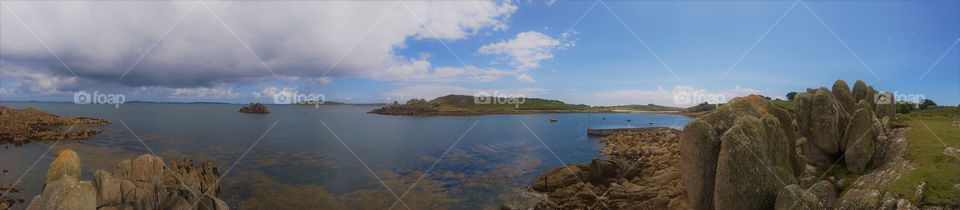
(21, 125)
(747, 142)
(255, 108)
(143, 183)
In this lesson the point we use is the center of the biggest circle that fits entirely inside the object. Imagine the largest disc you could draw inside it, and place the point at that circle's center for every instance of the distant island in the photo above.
(456, 105)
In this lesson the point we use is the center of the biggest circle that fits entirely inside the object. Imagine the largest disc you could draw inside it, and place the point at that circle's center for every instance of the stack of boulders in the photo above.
(843, 124)
(143, 183)
(751, 154)
(740, 155)
(642, 172)
(255, 108)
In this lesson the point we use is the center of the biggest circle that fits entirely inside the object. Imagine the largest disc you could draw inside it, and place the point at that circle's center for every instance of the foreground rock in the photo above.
(747, 142)
(143, 183)
(255, 108)
(642, 173)
(22, 125)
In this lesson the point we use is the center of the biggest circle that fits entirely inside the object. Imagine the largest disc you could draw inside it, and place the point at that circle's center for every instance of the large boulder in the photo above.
(67, 164)
(861, 91)
(861, 138)
(841, 91)
(603, 171)
(747, 142)
(821, 118)
(886, 107)
(752, 153)
(699, 148)
(63, 190)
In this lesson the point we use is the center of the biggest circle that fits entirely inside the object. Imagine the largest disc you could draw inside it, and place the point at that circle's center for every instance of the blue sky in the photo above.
(426, 49)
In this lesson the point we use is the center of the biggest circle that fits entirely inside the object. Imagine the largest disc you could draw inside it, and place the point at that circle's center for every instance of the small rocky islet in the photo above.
(750, 154)
(254, 108)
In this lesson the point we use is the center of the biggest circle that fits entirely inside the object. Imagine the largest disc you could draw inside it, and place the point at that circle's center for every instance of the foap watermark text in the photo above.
(484, 97)
(84, 97)
(299, 98)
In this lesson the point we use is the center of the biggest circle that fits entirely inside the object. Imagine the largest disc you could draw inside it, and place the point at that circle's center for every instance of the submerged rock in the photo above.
(255, 108)
(144, 183)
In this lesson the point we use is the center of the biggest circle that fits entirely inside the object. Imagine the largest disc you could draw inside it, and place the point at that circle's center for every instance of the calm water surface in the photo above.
(300, 162)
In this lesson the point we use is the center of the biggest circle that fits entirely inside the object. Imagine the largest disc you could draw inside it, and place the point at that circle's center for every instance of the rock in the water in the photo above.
(560, 177)
(699, 148)
(793, 197)
(861, 137)
(256, 108)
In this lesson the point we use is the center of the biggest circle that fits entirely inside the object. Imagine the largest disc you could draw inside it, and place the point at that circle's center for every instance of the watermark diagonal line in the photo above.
(162, 36)
(39, 39)
(362, 35)
(245, 45)
(582, 15)
(762, 35)
(240, 158)
(364, 164)
(936, 136)
(429, 169)
(629, 29)
(177, 176)
(939, 59)
(563, 163)
(15, 183)
(839, 39)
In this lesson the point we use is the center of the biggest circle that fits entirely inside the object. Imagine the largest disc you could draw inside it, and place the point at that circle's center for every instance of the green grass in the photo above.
(648, 107)
(786, 105)
(529, 104)
(925, 150)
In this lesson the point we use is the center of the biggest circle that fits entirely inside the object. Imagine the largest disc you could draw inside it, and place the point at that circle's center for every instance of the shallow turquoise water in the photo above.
(492, 162)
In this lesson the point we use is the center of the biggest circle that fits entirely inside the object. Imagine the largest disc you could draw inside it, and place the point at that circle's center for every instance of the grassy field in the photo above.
(648, 107)
(468, 103)
(932, 131)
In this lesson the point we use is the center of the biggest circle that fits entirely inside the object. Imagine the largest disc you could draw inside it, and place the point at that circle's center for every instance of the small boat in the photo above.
(553, 119)
(604, 118)
(629, 120)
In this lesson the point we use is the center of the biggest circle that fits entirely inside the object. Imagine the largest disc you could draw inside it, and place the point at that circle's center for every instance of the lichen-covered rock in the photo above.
(63, 190)
(857, 198)
(861, 91)
(861, 138)
(67, 164)
(793, 197)
(255, 108)
(143, 183)
(821, 119)
(752, 153)
(841, 91)
(603, 171)
(699, 148)
(826, 193)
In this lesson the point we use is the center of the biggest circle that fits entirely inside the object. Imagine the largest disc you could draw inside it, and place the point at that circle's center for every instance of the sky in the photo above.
(674, 53)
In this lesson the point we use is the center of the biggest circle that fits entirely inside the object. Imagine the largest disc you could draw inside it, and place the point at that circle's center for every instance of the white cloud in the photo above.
(430, 91)
(528, 49)
(297, 39)
(680, 96)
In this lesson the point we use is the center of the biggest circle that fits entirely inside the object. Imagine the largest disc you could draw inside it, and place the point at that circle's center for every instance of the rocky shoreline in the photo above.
(254, 108)
(142, 183)
(641, 172)
(20, 126)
